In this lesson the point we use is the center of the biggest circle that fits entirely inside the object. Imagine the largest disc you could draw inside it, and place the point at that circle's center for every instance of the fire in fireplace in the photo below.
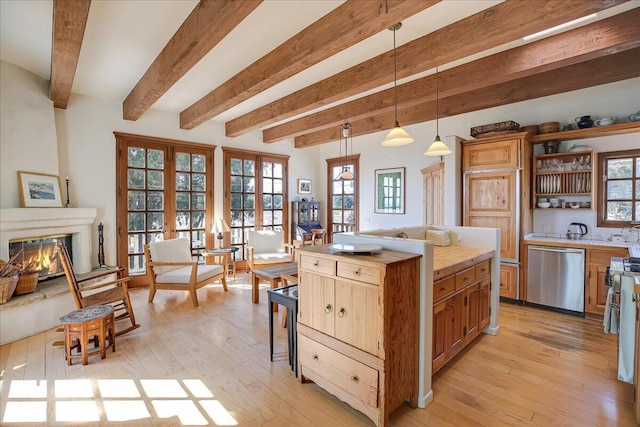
(41, 254)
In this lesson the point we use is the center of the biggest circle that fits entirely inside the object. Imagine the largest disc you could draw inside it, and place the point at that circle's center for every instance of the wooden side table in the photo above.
(287, 296)
(222, 256)
(90, 323)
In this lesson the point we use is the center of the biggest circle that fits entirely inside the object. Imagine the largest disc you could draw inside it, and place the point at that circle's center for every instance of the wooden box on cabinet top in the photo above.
(358, 327)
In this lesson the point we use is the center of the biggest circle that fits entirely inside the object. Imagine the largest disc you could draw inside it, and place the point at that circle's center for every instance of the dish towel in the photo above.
(627, 339)
(610, 313)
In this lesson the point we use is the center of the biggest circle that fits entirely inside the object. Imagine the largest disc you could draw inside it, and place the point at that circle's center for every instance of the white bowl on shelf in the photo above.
(544, 205)
(575, 205)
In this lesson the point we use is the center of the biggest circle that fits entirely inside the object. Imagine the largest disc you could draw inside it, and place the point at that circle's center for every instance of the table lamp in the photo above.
(220, 227)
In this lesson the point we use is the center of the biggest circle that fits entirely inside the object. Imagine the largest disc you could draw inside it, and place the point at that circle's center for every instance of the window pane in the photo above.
(337, 187)
(619, 211)
(155, 237)
(136, 200)
(236, 218)
(267, 201)
(236, 184)
(197, 201)
(155, 221)
(236, 167)
(277, 202)
(182, 220)
(337, 202)
(638, 167)
(198, 237)
(197, 220)
(183, 181)
(155, 201)
(277, 170)
(236, 201)
(277, 218)
(267, 185)
(349, 202)
(267, 218)
(198, 182)
(337, 216)
(638, 187)
(135, 157)
(619, 190)
(249, 201)
(183, 162)
(620, 168)
(249, 185)
(155, 180)
(198, 163)
(249, 218)
(348, 187)
(136, 243)
(348, 217)
(136, 221)
(267, 169)
(249, 167)
(277, 186)
(155, 159)
(135, 179)
(182, 201)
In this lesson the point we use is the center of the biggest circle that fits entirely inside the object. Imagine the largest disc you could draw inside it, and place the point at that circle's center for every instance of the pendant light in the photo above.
(437, 148)
(346, 174)
(396, 136)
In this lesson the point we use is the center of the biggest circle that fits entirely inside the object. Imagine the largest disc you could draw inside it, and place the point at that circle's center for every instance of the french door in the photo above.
(342, 208)
(255, 194)
(165, 190)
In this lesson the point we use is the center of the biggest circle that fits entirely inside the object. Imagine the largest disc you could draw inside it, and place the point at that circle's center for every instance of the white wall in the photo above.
(86, 147)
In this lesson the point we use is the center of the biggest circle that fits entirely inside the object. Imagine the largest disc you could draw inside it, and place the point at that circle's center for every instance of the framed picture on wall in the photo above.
(39, 190)
(390, 188)
(304, 186)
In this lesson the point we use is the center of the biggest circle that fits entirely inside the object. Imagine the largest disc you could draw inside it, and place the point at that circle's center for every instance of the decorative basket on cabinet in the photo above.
(7, 286)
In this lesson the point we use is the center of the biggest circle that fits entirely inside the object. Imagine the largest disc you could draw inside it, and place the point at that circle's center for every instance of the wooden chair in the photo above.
(267, 248)
(169, 266)
(318, 236)
(114, 293)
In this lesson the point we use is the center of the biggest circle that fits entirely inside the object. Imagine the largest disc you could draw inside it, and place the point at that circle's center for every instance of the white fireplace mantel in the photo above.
(22, 223)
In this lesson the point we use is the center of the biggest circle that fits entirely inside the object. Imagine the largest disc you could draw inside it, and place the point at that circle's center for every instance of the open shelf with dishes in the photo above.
(593, 132)
(563, 180)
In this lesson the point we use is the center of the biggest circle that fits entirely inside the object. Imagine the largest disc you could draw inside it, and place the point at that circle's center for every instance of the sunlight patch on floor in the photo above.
(113, 400)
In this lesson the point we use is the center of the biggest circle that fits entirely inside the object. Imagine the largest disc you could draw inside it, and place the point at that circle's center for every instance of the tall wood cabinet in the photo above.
(305, 216)
(358, 327)
(497, 194)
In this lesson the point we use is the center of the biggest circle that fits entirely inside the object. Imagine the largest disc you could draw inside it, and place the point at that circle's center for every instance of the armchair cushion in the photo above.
(271, 257)
(266, 241)
(174, 250)
(183, 274)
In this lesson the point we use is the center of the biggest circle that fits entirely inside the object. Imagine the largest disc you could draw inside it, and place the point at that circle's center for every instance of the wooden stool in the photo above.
(95, 322)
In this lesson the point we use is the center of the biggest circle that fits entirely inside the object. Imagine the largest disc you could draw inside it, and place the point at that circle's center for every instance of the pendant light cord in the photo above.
(437, 107)
(395, 76)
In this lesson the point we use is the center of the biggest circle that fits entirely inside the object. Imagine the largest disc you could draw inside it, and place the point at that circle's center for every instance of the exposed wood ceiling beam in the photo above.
(204, 28)
(612, 68)
(69, 22)
(601, 38)
(492, 27)
(345, 26)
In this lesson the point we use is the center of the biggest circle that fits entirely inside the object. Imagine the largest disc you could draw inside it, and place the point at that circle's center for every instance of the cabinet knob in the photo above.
(315, 263)
(314, 357)
(354, 378)
(356, 272)
(442, 289)
(342, 312)
(327, 308)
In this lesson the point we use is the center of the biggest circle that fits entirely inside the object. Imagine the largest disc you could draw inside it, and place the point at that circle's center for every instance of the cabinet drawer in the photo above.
(465, 277)
(317, 265)
(444, 287)
(483, 268)
(359, 272)
(603, 256)
(357, 379)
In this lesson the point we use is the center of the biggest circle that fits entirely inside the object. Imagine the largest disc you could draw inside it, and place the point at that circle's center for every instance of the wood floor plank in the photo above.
(542, 369)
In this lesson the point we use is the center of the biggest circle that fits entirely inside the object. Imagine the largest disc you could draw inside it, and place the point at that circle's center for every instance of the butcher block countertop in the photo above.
(448, 260)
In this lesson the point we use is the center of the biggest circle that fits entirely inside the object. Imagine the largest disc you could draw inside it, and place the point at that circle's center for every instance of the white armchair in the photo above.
(266, 248)
(169, 266)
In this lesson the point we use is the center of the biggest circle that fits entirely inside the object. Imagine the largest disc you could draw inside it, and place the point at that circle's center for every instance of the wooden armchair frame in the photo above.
(193, 284)
(116, 293)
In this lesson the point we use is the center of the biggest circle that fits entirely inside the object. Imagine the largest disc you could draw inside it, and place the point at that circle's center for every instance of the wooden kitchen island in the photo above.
(461, 299)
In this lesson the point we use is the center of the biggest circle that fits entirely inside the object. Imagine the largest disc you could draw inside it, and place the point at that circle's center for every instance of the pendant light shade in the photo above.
(397, 136)
(437, 148)
(346, 174)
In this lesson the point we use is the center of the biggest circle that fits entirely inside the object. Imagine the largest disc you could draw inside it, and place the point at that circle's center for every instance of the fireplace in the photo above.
(41, 254)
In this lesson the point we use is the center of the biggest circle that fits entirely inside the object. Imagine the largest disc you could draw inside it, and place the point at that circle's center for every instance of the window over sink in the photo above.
(619, 189)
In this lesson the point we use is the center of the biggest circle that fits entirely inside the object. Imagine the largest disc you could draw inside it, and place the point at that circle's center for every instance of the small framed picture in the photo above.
(39, 190)
(390, 186)
(304, 186)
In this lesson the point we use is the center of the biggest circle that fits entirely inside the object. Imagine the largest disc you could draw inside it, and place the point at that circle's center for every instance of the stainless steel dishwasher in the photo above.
(555, 277)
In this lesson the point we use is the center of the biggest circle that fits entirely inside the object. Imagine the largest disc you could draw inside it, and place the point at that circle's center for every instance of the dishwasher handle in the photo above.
(560, 250)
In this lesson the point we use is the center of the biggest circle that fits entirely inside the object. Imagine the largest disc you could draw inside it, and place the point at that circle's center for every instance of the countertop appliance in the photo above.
(555, 277)
(576, 231)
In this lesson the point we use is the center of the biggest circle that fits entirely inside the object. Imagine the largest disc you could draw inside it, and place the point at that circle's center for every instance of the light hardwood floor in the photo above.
(210, 365)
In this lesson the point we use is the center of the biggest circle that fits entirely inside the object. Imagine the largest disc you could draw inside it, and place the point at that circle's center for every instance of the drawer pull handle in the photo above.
(314, 357)
(356, 272)
(442, 289)
(315, 263)
(354, 378)
(327, 308)
(342, 312)
(449, 307)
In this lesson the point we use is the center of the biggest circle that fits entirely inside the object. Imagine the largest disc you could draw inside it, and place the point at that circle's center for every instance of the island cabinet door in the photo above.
(316, 297)
(485, 303)
(439, 356)
(357, 317)
(473, 304)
